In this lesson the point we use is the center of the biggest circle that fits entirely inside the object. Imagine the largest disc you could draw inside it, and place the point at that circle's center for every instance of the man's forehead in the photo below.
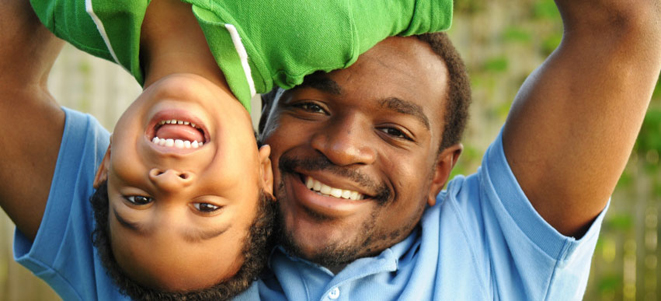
(402, 68)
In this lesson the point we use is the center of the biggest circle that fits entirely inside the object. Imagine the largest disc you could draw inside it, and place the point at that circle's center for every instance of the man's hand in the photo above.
(31, 122)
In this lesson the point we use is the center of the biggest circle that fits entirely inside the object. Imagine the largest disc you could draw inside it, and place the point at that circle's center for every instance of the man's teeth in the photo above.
(326, 190)
(176, 143)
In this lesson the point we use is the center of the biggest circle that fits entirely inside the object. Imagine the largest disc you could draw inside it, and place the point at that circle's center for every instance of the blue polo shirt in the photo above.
(483, 240)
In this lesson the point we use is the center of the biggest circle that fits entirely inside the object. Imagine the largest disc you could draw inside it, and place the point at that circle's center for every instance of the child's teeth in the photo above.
(178, 143)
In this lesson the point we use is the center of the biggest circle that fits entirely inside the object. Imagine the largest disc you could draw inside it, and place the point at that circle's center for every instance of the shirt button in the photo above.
(334, 294)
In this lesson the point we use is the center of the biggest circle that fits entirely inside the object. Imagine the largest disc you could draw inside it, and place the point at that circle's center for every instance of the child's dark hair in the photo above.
(256, 249)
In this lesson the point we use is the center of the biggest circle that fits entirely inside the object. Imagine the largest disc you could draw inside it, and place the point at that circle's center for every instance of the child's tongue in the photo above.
(176, 131)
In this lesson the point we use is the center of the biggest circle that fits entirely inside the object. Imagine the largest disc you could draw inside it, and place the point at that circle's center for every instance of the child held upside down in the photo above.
(183, 203)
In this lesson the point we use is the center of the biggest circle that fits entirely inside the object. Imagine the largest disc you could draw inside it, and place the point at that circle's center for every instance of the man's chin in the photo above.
(320, 250)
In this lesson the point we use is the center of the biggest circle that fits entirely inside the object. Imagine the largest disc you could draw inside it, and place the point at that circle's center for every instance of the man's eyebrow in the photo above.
(196, 236)
(321, 83)
(406, 107)
(133, 226)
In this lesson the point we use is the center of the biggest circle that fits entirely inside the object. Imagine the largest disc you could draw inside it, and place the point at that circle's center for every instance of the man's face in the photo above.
(184, 174)
(355, 152)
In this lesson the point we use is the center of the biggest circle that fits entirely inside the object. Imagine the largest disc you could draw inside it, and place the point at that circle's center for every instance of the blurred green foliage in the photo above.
(545, 9)
(517, 34)
(619, 222)
(496, 64)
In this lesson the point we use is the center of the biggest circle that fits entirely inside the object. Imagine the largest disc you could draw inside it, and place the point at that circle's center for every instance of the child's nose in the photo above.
(170, 179)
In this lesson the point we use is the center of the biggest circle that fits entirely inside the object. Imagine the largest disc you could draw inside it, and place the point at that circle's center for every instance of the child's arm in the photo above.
(31, 122)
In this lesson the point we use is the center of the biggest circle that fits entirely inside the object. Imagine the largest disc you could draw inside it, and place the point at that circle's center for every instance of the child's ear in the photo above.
(265, 168)
(102, 173)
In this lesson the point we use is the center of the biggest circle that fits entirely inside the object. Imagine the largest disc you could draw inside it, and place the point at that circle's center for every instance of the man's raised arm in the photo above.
(31, 122)
(575, 120)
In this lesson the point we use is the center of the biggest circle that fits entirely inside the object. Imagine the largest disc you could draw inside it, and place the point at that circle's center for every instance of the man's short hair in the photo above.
(256, 249)
(457, 100)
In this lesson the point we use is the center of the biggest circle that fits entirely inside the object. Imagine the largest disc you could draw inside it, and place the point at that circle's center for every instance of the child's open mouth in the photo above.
(179, 134)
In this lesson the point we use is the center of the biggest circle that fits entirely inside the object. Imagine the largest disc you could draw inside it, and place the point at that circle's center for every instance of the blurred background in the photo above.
(501, 42)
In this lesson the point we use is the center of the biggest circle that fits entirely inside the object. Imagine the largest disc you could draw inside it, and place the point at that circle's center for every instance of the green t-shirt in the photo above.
(257, 44)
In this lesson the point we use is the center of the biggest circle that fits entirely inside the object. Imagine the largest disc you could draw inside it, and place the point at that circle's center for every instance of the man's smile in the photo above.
(323, 203)
(326, 190)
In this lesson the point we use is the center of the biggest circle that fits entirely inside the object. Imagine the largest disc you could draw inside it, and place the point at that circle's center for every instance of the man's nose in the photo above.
(170, 179)
(346, 142)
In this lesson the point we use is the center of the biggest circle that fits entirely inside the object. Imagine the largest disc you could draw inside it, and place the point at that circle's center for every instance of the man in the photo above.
(523, 228)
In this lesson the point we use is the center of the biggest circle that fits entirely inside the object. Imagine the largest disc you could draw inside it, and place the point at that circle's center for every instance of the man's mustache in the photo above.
(321, 163)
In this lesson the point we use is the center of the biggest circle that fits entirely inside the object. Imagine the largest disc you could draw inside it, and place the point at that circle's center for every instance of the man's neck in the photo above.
(173, 42)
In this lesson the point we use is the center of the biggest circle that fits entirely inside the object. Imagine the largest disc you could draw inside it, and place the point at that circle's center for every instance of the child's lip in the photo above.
(179, 115)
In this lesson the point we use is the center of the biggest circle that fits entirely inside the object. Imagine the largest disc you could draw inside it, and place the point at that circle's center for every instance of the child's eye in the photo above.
(139, 199)
(206, 207)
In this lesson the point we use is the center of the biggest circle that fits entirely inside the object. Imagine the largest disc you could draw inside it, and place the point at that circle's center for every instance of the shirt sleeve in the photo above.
(525, 250)
(62, 253)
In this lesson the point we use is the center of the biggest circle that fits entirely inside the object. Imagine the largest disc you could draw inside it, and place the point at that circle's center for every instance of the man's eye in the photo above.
(139, 200)
(206, 207)
(396, 133)
(310, 107)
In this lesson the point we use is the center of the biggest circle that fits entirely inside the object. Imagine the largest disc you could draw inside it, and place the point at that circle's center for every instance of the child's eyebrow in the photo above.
(189, 235)
(133, 226)
(198, 235)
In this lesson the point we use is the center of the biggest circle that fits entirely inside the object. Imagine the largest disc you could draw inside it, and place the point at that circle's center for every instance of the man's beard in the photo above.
(334, 254)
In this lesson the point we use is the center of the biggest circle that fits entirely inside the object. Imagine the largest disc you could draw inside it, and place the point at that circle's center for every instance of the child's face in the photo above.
(179, 214)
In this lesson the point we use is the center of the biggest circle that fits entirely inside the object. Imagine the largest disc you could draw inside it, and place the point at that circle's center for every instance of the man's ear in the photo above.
(102, 173)
(444, 164)
(265, 168)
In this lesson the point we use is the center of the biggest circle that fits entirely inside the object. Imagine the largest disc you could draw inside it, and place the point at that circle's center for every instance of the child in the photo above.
(178, 201)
